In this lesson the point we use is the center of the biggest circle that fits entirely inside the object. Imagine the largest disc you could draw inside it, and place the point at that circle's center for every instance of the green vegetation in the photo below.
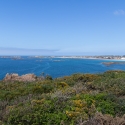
(79, 99)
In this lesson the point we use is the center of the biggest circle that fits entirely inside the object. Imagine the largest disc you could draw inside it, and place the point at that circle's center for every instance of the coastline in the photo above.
(90, 58)
(58, 66)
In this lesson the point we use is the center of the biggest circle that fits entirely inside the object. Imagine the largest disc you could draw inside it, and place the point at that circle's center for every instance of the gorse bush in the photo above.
(79, 99)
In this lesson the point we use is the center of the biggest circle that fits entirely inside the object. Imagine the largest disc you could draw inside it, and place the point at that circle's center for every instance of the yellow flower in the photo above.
(77, 95)
(67, 112)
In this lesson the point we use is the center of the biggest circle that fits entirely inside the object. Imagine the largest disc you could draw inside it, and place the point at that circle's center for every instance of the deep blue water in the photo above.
(56, 67)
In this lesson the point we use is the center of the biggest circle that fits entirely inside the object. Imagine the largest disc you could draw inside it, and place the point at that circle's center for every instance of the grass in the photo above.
(79, 99)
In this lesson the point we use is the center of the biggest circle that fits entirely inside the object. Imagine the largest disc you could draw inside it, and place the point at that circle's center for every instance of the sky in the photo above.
(62, 27)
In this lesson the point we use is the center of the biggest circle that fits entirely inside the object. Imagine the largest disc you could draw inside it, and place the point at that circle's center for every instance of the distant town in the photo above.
(73, 57)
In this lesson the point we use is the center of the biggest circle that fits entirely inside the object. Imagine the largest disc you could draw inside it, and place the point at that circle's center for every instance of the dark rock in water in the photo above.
(108, 63)
(16, 77)
(111, 63)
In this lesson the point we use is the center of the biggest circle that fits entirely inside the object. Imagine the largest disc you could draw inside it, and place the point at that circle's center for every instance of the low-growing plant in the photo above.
(79, 99)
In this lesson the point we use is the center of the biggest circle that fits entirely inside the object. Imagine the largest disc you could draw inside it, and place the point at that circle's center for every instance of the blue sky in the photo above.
(62, 27)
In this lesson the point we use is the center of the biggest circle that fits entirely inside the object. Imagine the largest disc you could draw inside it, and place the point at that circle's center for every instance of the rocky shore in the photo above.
(16, 77)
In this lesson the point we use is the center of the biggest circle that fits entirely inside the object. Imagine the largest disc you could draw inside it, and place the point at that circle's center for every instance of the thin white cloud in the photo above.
(119, 12)
(25, 51)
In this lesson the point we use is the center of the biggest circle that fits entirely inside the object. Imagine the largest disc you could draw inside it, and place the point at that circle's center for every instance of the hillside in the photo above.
(79, 99)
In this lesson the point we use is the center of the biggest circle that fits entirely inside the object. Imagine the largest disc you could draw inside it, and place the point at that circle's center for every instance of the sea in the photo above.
(55, 67)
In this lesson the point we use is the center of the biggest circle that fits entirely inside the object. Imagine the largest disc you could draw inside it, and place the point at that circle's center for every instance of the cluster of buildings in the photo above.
(72, 57)
(95, 57)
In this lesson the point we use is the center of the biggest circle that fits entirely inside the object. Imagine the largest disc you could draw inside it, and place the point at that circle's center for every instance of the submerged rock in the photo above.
(16, 77)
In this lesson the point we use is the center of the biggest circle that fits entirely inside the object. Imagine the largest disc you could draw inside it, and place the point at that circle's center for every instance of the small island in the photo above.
(111, 63)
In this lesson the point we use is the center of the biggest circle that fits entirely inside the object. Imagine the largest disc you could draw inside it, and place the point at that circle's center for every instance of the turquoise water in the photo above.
(56, 67)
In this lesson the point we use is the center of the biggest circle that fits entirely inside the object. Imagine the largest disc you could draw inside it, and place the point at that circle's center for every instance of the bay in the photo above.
(55, 67)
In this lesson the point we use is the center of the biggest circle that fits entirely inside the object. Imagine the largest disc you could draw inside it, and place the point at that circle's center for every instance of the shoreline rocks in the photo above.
(16, 77)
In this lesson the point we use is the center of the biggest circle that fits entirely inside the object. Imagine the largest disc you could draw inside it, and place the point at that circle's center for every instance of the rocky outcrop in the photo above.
(108, 63)
(111, 63)
(16, 77)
